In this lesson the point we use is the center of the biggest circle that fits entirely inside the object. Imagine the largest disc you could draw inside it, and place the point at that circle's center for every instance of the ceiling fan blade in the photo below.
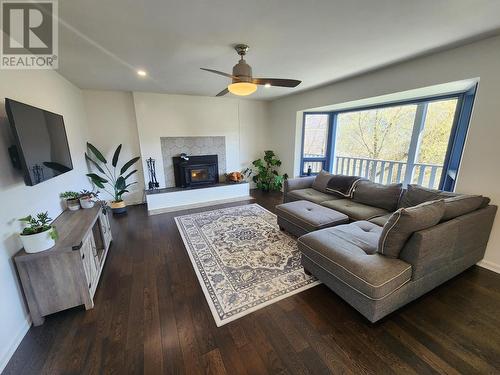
(277, 82)
(223, 92)
(219, 73)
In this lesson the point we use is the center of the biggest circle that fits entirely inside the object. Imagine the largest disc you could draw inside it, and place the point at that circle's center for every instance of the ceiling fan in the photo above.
(242, 81)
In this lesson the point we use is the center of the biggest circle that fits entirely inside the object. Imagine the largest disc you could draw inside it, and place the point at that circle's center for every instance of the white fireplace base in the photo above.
(176, 199)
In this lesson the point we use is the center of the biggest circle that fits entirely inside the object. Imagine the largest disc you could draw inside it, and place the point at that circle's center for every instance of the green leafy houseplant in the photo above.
(266, 175)
(39, 223)
(69, 195)
(72, 200)
(113, 177)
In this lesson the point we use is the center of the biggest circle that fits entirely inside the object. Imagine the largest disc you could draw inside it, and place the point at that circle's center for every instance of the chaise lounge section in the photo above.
(386, 257)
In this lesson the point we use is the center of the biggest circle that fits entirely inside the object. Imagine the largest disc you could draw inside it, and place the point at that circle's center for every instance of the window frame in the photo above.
(330, 144)
(456, 144)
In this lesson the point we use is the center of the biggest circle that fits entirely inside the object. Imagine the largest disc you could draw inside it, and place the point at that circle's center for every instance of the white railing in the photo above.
(389, 171)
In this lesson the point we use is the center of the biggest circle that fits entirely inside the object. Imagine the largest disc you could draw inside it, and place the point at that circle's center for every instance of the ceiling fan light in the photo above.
(242, 88)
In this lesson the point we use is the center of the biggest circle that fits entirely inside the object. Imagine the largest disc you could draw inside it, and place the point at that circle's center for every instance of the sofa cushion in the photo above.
(321, 181)
(355, 210)
(404, 222)
(342, 186)
(416, 194)
(461, 205)
(309, 194)
(378, 195)
(309, 216)
(348, 254)
(381, 220)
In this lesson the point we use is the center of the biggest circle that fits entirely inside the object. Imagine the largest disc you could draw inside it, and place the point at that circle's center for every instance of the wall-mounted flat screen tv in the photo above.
(41, 147)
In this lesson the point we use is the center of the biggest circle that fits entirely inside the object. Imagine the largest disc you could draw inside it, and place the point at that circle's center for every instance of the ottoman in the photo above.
(302, 217)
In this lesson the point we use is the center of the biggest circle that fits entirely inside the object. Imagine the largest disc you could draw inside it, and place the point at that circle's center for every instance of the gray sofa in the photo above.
(348, 258)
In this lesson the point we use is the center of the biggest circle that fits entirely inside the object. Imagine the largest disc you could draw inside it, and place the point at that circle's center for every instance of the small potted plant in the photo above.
(115, 178)
(72, 200)
(38, 234)
(87, 198)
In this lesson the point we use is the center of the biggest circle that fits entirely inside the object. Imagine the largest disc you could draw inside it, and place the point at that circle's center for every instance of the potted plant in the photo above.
(266, 176)
(115, 178)
(72, 200)
(87, 198)
(38, 234)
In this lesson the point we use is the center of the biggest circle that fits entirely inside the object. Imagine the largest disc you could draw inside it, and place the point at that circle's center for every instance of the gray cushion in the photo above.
(310, 216)
(381, 220)
(461, 205)
(416, 194)
(321, 181)
(309, 194)
(347, 253)
(378, 195)
(404, 222)
(355, 210)
(486, 201)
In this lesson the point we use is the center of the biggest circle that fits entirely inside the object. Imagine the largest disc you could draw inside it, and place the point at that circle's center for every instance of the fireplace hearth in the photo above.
(196, 171)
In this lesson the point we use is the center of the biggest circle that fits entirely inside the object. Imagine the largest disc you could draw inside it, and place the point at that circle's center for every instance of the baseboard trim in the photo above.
(198, 205)
(489, 266)
(7, 354)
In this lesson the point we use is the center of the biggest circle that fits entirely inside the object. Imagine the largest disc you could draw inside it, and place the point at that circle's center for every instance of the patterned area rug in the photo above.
(242, 260)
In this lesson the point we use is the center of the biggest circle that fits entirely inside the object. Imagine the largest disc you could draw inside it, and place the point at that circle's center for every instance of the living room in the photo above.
(364, 242)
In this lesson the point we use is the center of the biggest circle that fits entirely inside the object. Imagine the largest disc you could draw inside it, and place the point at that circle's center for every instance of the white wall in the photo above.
(480, 163)
(111, 121)
(47, 90)
(242, 122)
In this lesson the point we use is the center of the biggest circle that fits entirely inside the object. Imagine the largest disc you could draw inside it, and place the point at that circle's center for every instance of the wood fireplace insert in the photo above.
(192, 171)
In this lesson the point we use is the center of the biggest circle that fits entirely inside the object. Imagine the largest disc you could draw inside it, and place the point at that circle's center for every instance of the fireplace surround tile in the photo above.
(195, 146)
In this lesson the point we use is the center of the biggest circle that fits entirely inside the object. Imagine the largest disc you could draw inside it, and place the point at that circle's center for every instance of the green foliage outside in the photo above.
(385, 133)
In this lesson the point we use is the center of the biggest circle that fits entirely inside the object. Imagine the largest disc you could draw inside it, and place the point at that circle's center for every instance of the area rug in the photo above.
(242, 260)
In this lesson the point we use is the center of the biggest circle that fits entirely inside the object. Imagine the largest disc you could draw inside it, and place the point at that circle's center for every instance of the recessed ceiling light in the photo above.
(142, 73)
(267, 85)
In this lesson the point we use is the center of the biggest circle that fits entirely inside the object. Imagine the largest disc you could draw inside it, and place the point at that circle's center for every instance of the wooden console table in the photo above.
(66, 275)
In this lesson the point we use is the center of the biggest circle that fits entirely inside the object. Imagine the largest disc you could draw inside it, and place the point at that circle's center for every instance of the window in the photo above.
(315, 148)
(412, 142)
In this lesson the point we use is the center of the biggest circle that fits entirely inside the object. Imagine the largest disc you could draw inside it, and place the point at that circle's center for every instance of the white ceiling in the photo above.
(103, 43)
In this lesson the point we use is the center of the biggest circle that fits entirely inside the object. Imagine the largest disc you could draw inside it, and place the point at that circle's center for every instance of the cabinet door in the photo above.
(89, 265)
(105, 228)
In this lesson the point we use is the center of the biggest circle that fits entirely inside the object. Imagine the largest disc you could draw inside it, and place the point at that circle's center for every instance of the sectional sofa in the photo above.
(384, 246)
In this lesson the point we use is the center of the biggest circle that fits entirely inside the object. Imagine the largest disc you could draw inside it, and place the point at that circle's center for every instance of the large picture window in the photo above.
(412, 142)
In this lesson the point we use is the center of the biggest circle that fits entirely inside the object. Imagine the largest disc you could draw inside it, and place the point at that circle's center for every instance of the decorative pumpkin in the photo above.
(234, 177)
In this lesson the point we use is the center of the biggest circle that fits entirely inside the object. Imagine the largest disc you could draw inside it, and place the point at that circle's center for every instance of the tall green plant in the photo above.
(112, 177)
(266, 176)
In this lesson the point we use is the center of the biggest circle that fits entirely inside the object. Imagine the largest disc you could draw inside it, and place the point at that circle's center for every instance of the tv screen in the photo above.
(42, 145)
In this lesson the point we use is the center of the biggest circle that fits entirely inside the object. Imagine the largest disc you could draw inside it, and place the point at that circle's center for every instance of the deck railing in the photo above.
(389, 171)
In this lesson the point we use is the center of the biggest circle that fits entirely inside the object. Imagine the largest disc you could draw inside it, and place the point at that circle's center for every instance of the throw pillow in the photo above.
(321, 181)
(378, 195)
(404, 222)
(416, 194)
(461, 205)
(342, 186)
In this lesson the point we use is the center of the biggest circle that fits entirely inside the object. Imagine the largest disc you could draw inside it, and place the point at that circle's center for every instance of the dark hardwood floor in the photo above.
(151, 317)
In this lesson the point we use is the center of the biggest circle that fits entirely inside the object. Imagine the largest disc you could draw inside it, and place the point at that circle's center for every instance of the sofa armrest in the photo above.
(297, 184)
(464, 237)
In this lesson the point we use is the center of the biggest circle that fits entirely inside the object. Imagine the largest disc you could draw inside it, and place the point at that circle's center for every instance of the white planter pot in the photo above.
(35, 243)
(73, 204)
(86, 203)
